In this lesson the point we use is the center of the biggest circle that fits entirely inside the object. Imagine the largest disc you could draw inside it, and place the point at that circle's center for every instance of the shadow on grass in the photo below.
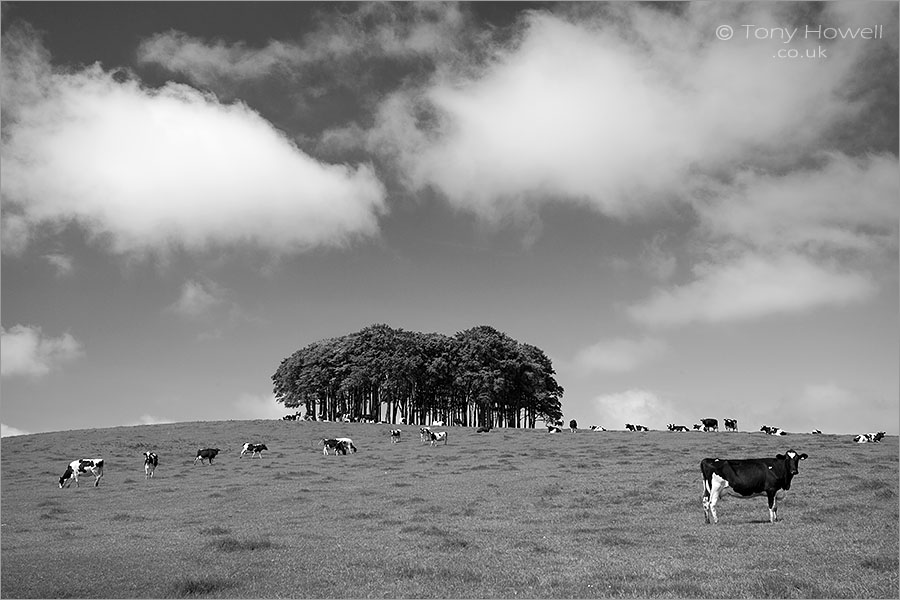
(197, 587)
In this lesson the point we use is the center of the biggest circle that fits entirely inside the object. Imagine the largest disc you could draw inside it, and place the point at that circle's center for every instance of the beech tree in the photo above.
(479, 377)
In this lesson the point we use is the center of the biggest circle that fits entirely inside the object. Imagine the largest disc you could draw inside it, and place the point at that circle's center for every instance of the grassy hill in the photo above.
(504, 514)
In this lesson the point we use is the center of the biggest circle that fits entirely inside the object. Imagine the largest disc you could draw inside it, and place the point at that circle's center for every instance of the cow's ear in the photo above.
(780, 457)
(803, 456)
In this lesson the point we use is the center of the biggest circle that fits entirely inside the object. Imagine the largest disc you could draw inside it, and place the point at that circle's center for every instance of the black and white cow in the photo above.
(82, 466)
(674, 427)
(395, 435)
(631, 427)
(333, 444)
(206, 454)
(772, 430)
(553, 429)
(730, 424)
(817, 432)
(424, 433)
(151, 461)
(864, 438)
(697, 426)
(710, 424)
(746, 478)
(253, 449)
(437, 436)
(573, 425)
(597, 428)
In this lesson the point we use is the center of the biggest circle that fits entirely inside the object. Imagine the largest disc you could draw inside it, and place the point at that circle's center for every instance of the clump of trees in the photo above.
(478, 377)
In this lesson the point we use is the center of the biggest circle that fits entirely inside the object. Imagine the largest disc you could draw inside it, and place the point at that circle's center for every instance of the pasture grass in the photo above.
(500, 515)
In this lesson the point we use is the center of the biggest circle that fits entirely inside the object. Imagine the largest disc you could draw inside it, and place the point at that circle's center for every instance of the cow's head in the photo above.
(791, 460)
(65, 477)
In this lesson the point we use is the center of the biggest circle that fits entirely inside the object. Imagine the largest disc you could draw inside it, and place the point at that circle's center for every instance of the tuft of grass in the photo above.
(215, 530)
(232, 544)
(197, 587)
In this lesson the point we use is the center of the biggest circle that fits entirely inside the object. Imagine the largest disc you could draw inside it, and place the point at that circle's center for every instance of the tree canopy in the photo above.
(478, 377)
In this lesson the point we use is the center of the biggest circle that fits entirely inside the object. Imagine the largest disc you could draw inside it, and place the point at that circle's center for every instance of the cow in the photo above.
(437, 436)
(553, 429)
(151, 461)
(746, 478)
(773, 430)
(674, 427)
(206, 454)
(597, 428)
(342, 445)
(348, 444)
(395, 435)
(82, 466)
(253, 449)
(697, 426)
(816, 431)
(631, 427)
(710, 424)
(869, 437)
(424, 433)
(573, 425)
(483, 429)
(730, 424)
(437, 423)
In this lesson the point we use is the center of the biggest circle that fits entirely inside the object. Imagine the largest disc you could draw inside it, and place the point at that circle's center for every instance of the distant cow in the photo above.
(710, 424)
(674, 427)
(573, 425)
(869, 437)
(342, 445)
(483, 429)
(206, 454)
(631, 427)
(395, 435)
(816, 431)
(747, 478)
(698, 426)
(437, 436)
(597, 428)
(151, 461)
(437, 423)
(773, 430)
(553, 429)
(424, 433)
(253, 449)
(730, 424)
(82, 466)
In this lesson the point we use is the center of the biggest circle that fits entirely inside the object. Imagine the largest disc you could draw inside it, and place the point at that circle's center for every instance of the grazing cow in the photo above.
(730, 424)
(437, 423)
(342, 445)
(816, 431)
(747, 478)
(395, 435)
(553, 429)
(483, 429)
(710, 424)
(151, 460)
(348, 444)
(82, 466)
(773, 430)
(697, 426)
(573, 425)
(674, 427)
(437, 436)
(206, 454)
(869, 437)
(597, 428)
(424, 433)
(253, 449)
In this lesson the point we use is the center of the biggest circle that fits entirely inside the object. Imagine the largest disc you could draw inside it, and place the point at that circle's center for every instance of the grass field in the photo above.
(511, 513)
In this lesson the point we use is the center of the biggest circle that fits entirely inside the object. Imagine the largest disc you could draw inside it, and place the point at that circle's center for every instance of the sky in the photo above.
(691, 208)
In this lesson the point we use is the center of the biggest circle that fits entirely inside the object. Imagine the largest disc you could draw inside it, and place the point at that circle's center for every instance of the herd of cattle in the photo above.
(744, 478)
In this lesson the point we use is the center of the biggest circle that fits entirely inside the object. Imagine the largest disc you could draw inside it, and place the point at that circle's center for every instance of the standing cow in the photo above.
(710, 424)
(151, 461)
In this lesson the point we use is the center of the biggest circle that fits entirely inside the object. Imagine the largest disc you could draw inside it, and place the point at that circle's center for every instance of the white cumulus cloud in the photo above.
(7, 431)
(27, 351)
(619, 354)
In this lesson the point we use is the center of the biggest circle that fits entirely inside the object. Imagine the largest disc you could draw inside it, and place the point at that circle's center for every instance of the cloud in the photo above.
(752, 286)
(252, 406)
(27, 352)
(619, 354)
(198, 299)
(148, 169)
(63, 263)
(7, 431)
(620, 109)
(151, 420)
(635, 406)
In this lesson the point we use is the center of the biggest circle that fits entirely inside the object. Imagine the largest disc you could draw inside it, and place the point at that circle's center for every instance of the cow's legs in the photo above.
(97, 480)
(773, 507)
